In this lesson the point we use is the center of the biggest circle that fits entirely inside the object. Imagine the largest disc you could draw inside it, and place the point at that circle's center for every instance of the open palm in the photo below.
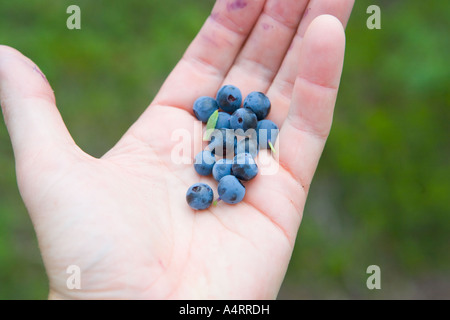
(123, 219)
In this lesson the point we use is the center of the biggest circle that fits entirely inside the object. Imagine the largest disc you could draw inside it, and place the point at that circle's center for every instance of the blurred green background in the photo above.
(381, 191)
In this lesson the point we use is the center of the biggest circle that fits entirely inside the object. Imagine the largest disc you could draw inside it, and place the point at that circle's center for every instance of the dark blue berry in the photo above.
(222, 168)
(247, 145)
(267, 131)
(244, 167)
(258, 103)
(204, 162)
(242, 120)
(229, 98)
(223, 121)
(199, 196)
(204, 107)
(231, 190)
(223, 142)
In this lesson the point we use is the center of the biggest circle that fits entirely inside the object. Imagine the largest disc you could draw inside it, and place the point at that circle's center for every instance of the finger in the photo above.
(28, 104)
(305, 130)
(281, 89)
(262, 54)
(202, 68)
(211, 54)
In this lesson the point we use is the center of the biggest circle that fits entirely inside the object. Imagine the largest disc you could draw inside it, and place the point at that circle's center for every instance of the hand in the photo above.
(123, 218)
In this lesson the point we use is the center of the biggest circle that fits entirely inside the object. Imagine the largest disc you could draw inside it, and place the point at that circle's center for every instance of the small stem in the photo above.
(271, 146)
(216, 201)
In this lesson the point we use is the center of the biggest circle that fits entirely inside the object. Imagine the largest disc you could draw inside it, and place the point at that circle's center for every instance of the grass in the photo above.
(380, 195)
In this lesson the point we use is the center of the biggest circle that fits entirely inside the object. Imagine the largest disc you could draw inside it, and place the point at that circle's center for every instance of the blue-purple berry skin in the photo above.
(259, 103)
(231, 190)
(199, 196)
(244, 167)
(223, 121)
(266, 131)
(223, 142)
(222, 168)
(229, 98)
(247, 145)
(242, 120)
(204, 107)
(204, 162)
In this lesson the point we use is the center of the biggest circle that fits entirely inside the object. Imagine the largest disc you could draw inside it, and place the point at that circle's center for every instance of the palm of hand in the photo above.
(123, 219)
(132, 234)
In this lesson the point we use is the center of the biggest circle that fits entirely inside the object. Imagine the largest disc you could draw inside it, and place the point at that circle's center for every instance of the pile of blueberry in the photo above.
(236, 134)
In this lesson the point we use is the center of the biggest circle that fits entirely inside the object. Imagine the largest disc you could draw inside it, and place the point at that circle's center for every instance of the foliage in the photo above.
(380, 195)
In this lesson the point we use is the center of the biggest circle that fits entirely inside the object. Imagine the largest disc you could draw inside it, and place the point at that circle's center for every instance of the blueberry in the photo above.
(231, 190)
(247, 145)
(229, 98)
(204, 162)
(204, 107)
(223, 142)
(223, 121)
(242, 120)
(244, 167)
(199, 196)
(222, 168)
(258, 103)
(267, 131)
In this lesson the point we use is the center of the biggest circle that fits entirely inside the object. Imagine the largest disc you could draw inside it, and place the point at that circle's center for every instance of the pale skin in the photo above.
(123, 218)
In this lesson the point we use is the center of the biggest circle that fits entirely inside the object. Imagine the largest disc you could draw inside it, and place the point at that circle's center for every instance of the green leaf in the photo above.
(211, 125)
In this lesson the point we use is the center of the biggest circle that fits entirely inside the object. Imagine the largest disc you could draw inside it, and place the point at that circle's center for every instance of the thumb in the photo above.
(43, 147)
(28, 104)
